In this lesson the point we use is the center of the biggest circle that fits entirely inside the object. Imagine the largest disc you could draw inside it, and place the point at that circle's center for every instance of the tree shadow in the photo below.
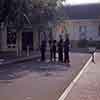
(19, 70)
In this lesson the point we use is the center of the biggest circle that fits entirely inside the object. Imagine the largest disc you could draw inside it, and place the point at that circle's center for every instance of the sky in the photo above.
(78, 2)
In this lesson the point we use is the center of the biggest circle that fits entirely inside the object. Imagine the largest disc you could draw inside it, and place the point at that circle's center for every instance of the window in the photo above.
(83, 29)
(11, 39)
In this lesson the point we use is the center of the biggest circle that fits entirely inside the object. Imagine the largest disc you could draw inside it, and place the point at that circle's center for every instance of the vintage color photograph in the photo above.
(49, 49)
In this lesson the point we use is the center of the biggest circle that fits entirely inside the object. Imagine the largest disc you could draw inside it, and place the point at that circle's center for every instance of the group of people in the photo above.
(61, 47)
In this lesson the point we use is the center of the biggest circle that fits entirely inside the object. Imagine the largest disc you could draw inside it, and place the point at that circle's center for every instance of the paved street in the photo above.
(88, 84)
(35, 80)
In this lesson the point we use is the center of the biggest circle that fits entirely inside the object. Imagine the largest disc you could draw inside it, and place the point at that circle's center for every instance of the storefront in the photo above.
(9, 38)
(12, 40)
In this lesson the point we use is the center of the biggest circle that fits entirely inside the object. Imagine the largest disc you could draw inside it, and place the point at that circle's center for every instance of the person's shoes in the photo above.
(93, 61)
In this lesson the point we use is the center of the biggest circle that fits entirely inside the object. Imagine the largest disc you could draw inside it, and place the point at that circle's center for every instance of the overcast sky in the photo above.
(75, 2)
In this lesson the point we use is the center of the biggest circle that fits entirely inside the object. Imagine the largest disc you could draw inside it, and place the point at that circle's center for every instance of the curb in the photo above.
(68, 89)
(19, 60)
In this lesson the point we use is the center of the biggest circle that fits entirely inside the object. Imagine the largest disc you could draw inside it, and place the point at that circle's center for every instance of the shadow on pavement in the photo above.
(14, 71)
(10, 72)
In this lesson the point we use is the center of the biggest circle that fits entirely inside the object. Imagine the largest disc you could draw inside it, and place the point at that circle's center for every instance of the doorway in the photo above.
(27, 40)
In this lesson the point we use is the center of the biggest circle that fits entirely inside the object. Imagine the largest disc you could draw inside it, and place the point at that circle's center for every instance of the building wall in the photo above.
(3, 38)
(92, 31)
(4, 46)
(59, 30)
(73, 29)
(37, 38)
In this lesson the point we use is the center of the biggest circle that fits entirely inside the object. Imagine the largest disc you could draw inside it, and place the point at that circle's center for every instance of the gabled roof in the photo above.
(88, 11)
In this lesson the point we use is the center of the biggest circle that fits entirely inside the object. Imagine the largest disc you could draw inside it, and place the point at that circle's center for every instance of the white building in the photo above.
(82, 22)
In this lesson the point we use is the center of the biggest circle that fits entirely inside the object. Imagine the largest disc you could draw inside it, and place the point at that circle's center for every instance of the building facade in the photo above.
(80, 29)
(81, 23)
(9, 39)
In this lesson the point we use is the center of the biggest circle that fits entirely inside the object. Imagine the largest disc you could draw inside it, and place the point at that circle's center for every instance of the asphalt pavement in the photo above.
(88, 83)
(35, 80)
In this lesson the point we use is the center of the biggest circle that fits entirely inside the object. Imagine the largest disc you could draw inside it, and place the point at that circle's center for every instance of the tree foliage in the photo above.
(4, 9)
(35, 12)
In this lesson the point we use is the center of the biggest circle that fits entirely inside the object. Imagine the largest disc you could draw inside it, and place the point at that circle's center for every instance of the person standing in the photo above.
(54, 50)
(43, 50)
(66, 51)
(50, 49)
(60, 49)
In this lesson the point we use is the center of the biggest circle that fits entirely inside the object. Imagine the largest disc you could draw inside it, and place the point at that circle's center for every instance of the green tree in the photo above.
(11, 9)
(37, 13)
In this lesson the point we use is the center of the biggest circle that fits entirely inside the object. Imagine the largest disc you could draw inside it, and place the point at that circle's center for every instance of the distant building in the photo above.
(82, 22)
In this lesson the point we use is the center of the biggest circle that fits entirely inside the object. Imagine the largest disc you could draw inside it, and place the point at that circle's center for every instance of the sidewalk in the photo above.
(11, 57)
(86, 86)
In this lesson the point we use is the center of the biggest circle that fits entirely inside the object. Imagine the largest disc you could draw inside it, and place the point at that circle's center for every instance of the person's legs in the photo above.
(54, 55)
(61, 55)
(64, 57)
(43, 56)
(93, 57)
(51, 56)
(68, 57)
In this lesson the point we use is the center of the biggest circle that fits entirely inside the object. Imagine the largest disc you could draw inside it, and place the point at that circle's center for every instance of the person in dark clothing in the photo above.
(60, 49)
(43, 50)
(50, 48)
(66, 51)
(92, 51)
(54, 50)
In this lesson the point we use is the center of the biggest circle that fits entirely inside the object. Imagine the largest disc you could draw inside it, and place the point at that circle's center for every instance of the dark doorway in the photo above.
(27, 40)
